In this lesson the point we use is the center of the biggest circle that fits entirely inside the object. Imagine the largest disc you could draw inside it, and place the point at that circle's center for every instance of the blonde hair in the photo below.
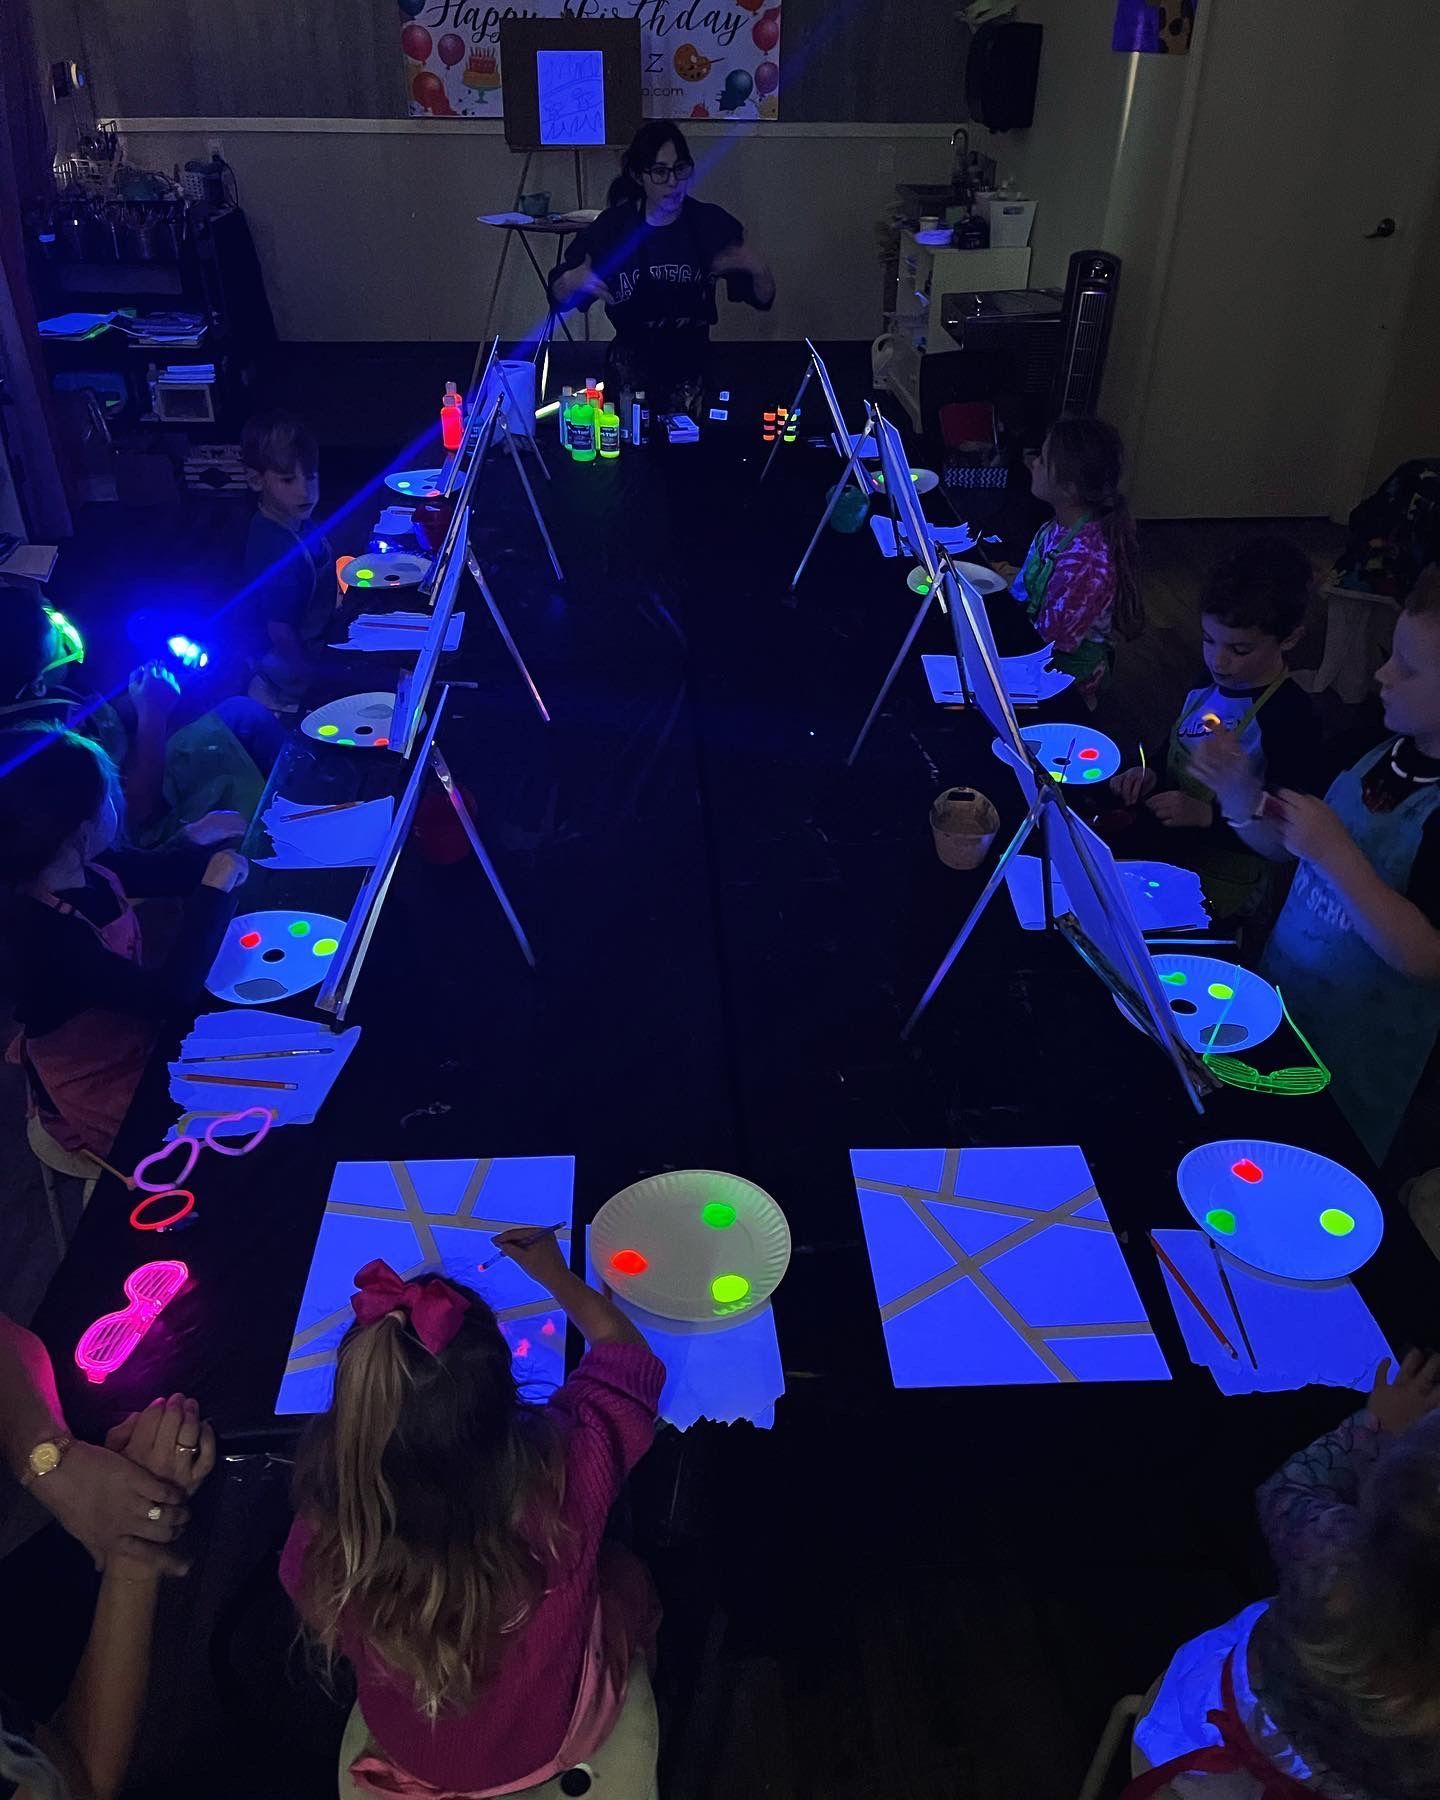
(1376, 1641)
(417, 1484)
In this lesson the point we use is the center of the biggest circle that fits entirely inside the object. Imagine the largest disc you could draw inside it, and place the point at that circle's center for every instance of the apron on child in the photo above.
(1232, 875)
(1373, 1026)
(89, 1067)
(1206, 1720)
(1086, 660)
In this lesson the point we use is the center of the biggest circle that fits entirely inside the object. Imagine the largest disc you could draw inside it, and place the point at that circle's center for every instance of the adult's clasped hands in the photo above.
(129, 1502)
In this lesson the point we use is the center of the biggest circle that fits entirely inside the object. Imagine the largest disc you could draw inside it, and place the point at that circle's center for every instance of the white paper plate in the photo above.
(936, 239)
(385, 569)
(579, 215)
(926, 480)
(358, 721)
(663, 1221)
(1077, 755)
(1282, 1210)
(415, 484)
(272, 956)
(983, 580)
(1210, 996)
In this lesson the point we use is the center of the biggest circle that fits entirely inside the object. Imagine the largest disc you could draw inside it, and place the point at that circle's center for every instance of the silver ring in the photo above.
(154, 1514)
(187, 1449)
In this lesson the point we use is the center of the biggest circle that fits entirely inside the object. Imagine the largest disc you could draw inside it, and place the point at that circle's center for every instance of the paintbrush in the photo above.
(540, 1231)
(316, 812)
(1234, 1304)
(256, 1056)
(1190, 1294)
(243, 1081)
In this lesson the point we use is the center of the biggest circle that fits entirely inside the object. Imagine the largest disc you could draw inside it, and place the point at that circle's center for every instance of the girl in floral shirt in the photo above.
(1080, 584)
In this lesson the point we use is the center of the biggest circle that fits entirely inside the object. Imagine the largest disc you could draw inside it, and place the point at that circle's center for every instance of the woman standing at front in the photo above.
(653, 257)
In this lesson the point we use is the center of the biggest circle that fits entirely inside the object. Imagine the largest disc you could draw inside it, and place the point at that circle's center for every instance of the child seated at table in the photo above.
(70, 940)
(1356, 949)
(1247, 728)
(1329, 1688)
(448, 1542)
(172, 776)
(287, 606)
(1080, 583)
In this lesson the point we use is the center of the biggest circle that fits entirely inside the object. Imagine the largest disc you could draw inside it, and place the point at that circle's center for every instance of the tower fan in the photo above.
(1086, 321)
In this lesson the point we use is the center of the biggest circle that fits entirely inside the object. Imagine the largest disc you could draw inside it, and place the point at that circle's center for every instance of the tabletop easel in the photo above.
(480, 426)
(338, 988)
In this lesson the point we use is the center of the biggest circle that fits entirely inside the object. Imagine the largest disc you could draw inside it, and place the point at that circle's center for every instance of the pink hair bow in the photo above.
(435, 1309)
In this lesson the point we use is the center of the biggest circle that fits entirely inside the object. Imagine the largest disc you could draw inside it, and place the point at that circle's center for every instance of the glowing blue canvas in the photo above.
(1162, 897)
(1303, 1333)
(1217, 1005)
(1283, 1210)
(432, 1217)
(999, 1267)
(725, 1376)
(570, 87)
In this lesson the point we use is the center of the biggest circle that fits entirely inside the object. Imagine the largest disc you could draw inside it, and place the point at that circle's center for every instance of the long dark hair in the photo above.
(51, 783)
(1088, 457)
(648, 141)
(417, 1483)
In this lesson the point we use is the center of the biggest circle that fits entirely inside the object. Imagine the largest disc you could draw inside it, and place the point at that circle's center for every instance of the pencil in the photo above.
(316, 812)
(540, 1231)
(1190, 1294)
(242, 1081)
(1221, 1271)
(254, 1056)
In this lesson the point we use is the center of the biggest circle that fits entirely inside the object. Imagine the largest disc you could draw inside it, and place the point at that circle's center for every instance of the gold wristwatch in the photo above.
(45, 1458)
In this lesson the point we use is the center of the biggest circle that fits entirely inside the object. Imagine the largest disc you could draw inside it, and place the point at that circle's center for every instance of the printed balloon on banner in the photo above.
(415, 41)
(765, 32)
(451, 49)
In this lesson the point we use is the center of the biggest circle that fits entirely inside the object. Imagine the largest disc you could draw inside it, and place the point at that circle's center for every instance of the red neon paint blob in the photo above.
(1090, 755)
(1248, 1171)
(382, 743)
(172, 1218)
(250, 940)
(629, 1262)
(548, 1328)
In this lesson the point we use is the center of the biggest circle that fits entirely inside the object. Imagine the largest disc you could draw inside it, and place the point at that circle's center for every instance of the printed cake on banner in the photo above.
(700, 59)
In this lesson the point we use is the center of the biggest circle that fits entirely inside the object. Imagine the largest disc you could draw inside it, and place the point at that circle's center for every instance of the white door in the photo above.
(1316, 122)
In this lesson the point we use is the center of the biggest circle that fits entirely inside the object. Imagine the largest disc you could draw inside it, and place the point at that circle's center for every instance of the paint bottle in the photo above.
(639, 419)
(582, 430)
(452, 421)
(567, 400)
(607, 425)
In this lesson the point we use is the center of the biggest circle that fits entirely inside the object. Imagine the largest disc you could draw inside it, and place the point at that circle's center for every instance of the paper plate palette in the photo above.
(1282, 1210)
(1074, 754)
(273, 955)
(925, 480)
(419, 484)
(386, 569)
(1217, 1005)
(358, 721)
(697, 1245)
(983, 580)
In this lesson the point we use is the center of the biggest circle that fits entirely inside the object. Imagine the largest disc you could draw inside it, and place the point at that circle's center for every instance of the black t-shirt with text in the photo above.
(660, 275)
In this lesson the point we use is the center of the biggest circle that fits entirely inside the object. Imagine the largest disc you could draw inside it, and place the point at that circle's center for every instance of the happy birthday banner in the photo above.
(699, 60)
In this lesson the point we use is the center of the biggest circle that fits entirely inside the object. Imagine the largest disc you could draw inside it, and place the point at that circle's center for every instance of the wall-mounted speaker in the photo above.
(1001, 73)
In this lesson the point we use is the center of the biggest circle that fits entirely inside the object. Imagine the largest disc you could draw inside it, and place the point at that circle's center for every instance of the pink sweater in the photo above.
(517, 1721)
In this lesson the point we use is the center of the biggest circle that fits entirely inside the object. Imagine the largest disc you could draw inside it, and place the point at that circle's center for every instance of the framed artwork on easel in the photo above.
(570, 84)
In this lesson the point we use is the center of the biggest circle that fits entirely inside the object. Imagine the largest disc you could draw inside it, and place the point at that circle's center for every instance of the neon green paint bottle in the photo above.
(582, 430)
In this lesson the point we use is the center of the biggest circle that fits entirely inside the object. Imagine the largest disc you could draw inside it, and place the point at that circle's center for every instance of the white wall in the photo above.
(366, 230)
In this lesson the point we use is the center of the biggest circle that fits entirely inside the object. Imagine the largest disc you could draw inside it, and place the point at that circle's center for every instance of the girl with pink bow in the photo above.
(448, 1542)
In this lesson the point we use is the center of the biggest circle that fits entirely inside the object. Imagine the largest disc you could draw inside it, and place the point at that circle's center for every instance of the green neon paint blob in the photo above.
(1094, 774)
(1218, 991)
(327, 731)
(1221, 1222)
(729, 1290)
(325, 946)
(1337, 1223)
(299, 928)
(1176, 978)
(718, 1216)
(364, 575)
